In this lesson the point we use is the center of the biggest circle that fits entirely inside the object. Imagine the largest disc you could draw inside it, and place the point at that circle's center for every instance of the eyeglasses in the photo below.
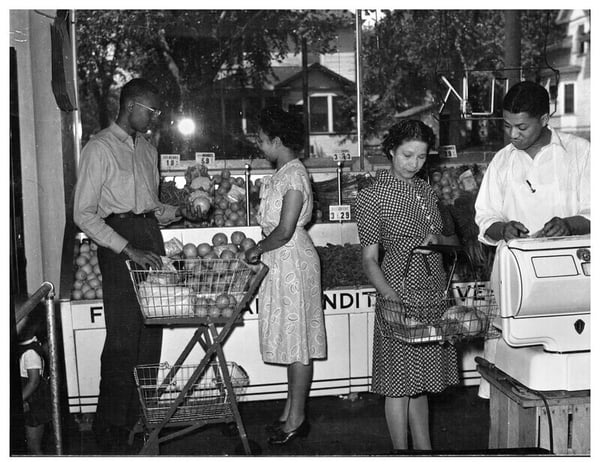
(155, 112)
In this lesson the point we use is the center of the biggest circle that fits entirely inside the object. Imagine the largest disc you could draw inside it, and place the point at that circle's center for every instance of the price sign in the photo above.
(342, 155)
(339, 213)
(169, 161)
(205, 158)
(447, 151)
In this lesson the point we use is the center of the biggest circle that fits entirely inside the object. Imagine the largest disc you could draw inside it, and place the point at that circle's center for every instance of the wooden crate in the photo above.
(519, 418)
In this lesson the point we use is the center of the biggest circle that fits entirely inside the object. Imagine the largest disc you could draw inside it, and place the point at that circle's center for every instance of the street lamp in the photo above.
(186, 126)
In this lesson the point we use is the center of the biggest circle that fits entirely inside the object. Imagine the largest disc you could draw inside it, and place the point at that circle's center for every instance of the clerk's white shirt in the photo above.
(516, 187)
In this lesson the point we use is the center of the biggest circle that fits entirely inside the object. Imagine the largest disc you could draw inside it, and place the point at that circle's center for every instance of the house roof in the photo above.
(345, 82)
(284, 76)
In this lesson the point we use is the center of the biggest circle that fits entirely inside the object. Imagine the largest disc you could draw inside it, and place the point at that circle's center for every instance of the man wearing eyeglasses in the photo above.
(117, 206)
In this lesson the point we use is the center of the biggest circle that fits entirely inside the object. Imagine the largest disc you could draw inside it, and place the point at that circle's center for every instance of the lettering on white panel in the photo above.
(95, 312)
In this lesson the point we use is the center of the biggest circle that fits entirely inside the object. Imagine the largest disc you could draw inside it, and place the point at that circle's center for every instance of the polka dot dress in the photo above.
(398, 216)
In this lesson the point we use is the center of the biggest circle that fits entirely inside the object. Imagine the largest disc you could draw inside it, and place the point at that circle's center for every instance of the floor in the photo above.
(348, 425)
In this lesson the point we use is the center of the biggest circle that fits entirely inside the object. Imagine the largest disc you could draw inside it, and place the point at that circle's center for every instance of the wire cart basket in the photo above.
(207, 399)
(426, 315)
(210, 295)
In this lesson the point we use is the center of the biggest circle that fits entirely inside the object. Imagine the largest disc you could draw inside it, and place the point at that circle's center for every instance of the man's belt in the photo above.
(131, 215)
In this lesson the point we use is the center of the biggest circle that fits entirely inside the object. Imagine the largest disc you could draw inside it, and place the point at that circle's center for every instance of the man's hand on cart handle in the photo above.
(144, 258)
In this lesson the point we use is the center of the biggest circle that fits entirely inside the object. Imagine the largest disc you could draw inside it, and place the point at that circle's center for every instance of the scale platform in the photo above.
(539, 370)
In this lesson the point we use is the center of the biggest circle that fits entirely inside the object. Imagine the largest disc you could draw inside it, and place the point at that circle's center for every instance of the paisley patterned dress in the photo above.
(398, 216)
(291, 320)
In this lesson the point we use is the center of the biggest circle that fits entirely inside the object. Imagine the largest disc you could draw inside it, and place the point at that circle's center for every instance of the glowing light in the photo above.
(186, 126)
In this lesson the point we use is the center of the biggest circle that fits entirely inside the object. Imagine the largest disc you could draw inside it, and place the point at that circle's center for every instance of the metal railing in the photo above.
(46, 292)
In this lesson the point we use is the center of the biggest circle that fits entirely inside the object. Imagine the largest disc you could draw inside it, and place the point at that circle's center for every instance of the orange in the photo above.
(222, 301)
(219, 239)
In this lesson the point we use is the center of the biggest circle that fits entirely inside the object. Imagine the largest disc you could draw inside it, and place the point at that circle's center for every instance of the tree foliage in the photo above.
(184, 51)
(188, 52)
(407, 50)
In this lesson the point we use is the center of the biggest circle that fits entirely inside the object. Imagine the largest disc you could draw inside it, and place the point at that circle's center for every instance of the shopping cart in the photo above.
(210, 295)
(427, 315)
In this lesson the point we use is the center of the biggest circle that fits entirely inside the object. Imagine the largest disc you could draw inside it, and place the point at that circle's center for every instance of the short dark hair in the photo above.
(407, 130)
(137, 87)
(276, 122)
(527, 97)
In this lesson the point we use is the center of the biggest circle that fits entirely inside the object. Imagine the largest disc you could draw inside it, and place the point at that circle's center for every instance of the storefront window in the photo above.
(218, 68)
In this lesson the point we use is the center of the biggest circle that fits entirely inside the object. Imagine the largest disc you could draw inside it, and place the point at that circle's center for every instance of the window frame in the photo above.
(564, 87)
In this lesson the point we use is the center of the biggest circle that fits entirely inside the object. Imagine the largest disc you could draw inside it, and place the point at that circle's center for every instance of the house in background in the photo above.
(331, 80)
(571, 98)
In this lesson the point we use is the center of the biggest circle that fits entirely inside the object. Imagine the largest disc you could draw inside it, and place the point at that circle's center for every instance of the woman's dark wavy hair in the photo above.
(404, 131)
(527, 97)
(276, 122)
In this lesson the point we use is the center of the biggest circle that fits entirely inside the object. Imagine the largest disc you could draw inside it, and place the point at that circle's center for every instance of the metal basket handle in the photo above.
(454, 250)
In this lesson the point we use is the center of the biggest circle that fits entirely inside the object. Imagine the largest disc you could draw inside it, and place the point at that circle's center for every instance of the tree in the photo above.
(187, 50)
(406, 51)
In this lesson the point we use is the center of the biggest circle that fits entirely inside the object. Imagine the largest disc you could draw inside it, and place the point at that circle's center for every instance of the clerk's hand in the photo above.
(556, 227)
(514, 230)
(144, 258)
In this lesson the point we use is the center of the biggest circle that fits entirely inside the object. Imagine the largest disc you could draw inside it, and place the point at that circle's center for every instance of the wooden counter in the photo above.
(519, 417)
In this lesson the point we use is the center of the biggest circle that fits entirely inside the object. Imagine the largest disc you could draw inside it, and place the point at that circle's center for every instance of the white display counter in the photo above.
(349, 317)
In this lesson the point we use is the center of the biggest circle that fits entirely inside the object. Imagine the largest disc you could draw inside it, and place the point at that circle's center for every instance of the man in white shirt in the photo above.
(539, 184)
(536, 186)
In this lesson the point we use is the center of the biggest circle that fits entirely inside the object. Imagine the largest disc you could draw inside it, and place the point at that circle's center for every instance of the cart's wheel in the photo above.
(255, 448)
(150, 448)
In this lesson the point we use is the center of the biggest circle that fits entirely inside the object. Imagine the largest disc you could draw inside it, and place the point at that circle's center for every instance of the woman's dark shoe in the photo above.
(282, 437)
(274, 427)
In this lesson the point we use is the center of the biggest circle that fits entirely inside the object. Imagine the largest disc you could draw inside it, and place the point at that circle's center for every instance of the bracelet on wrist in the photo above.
(259, 248)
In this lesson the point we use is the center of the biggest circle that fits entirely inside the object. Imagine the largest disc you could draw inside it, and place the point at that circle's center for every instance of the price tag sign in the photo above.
(342, 155)
(169, 161)
(339, 213)
(447, 151)
(205, 158)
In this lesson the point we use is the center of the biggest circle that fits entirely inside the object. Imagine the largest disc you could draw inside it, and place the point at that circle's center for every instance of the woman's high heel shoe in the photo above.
(274, 427)
(282, 437)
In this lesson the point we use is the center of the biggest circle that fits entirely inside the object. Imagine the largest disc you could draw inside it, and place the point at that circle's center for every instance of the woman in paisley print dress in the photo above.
(399, 212)
(291, 320)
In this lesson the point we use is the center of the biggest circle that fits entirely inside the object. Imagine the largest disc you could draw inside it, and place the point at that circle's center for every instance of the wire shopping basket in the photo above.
(426, 315)
(191, 288)
(159, 385)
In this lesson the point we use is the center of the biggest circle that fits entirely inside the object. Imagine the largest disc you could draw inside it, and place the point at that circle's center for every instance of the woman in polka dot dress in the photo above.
(399, 212)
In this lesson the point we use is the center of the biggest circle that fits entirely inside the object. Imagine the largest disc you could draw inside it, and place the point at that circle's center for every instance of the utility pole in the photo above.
(305, 106)
(512, 50)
